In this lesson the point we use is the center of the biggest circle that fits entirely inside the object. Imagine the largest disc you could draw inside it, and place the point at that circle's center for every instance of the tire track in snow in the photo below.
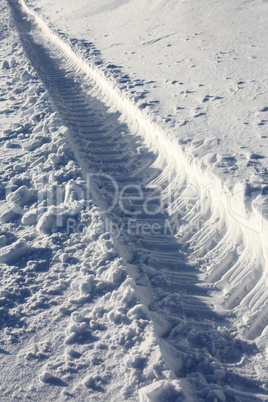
(111, 136)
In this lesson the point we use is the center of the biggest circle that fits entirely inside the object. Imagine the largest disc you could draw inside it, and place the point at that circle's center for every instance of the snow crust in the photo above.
(104, 302)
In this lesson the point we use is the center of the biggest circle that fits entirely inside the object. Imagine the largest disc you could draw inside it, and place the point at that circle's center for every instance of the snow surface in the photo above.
(133, 240)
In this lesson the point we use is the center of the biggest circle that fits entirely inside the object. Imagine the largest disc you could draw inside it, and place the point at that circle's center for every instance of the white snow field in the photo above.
(133, 200)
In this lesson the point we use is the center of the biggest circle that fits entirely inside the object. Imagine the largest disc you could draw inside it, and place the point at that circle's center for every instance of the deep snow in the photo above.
(163, 295)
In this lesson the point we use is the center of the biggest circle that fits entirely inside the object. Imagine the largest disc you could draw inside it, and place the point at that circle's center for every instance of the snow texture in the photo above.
(133, 208)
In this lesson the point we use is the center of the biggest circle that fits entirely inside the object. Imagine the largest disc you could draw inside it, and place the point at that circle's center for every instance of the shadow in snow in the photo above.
(114, 156)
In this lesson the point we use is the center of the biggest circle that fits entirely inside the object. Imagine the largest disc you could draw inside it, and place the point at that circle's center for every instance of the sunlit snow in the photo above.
(133, 209)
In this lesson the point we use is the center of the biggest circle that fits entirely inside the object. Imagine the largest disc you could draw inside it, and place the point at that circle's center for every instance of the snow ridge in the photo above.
(198, 224)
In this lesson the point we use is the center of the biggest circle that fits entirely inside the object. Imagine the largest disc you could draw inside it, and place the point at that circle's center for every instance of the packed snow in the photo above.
(133, 209)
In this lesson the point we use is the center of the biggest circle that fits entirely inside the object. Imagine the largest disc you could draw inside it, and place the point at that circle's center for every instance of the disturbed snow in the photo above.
(133, 252)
